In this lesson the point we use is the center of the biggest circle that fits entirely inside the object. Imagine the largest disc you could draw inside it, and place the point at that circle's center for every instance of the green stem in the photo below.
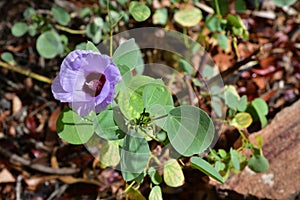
(66, 29)
(130, 186)
(111, 30)
(217, 8)
(25, 72)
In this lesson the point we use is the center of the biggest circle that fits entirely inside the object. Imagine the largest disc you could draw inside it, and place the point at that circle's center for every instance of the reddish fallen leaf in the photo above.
(30, 123)
(53, 118)
(266, 62)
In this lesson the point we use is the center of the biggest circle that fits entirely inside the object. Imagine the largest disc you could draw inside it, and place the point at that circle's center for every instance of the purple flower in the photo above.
(86, 81)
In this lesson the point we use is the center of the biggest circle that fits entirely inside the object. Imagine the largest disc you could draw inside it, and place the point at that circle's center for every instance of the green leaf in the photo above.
(160, 16)
(173, 175)
(222, 153)
(154, 94)
(49, 44)
(28, 12)
(159, 111)
(60, 15)
(188, 17)
(261, 109)
(154, 175)
(205, 167)
(129, 54)
(155, 193)
(258, 163)
(281, 3)
(234, 159)
(130, 98)
(8, 57)
(190, 130)
(216, 104)
(73, 128)
(186, 66)
(240, 5)
(109, 154)
(139, 11)
(92, 47)
(223, 41)
(105, 126)
(134, 156)
(234, 20)
(213, 23)
(93, 30)
(241, 120)
(231, 97)
(19, 29)
(85, 12)
(242, 104)
(81, 46)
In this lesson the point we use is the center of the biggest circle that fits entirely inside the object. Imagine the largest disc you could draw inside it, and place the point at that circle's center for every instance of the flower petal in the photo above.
(96, 62)
(112, 73)
(82, 108)
(58, 92)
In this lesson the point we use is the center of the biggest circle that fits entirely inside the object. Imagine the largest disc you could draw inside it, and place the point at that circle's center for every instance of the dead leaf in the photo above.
(6, 177)
(16, 104)
(53, 118)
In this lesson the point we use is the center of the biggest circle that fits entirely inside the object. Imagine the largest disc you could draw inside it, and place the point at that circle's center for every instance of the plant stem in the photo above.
(25, 72)
(130, 186)
(217, 8)
(110, 31)
(66, 29)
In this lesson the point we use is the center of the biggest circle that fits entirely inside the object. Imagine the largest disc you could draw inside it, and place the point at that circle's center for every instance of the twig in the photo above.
(19, 187)
(14, 158)
(25, 72)
(58, 192)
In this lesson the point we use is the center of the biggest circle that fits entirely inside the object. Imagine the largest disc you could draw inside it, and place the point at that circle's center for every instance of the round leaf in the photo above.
(140, 12)
(105, 126)
(281, 3)
(241, 120)
(129, 54)
(188, 17)
(155, 193)
(49, 44)
(73, 128)
(19, 29)
(60, 15)
(258, 163)
(109, 154)
(160, 16)
(190, 130)
(154, 94)
(173, 175)
(134, 156)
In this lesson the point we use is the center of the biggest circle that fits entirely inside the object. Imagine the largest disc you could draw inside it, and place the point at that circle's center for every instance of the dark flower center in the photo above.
(94, 84)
